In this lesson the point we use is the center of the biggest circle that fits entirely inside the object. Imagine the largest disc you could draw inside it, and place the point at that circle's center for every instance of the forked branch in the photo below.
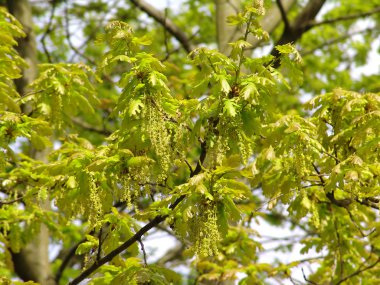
(160, 17)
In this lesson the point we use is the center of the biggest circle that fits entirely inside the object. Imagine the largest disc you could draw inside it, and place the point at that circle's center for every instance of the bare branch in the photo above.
(337, 40)
(283, 14)
(160, 17)
(143, 250)
(68, 36)
(357, 272)
(344, 18)
(48, 30)
(307, 280)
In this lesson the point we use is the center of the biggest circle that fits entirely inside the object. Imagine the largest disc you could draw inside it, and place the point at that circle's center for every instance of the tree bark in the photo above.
(32, 262)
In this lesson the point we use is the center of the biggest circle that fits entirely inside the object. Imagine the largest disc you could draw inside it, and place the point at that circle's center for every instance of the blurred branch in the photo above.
(2, 202)
(93, 32)
(334, 41)
(298, 27)
(88, 127)
(68, 36)
(344, 18)
(143, 250)
(283, 14)
(48, 30)
(367, 202)
(307, 280)
(160, 17)
(271, 20)
(71, 45)
(65, 262)
(358, 271)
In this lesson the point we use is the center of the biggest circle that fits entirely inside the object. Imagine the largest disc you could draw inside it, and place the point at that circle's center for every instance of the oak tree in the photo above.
(190, 122)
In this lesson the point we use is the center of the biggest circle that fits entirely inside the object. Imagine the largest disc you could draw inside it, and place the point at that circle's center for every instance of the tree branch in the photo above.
(143, 251)
(66, 261)
(3, 202)
(336, 40)
(296, 29)
(307, 280)
(367, 202)
(68, 36)
(160, 17)
(343, 18)
(357, 272)
(283, 14)
(330, 195)
(88, 127)
(48, 30)
(271, 20)
(138, 235)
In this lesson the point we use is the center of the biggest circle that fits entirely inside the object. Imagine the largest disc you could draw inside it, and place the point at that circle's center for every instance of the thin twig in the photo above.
(345, 18)
(99, 253)
(336, 40)
(307, 280)
(172, 28)
(166, 33)
(11, 201)
(48, 30)
(143, 250)
(358, 272)
(68, 36)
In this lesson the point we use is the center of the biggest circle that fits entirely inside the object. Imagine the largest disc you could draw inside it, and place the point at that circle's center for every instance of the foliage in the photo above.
(198, 146)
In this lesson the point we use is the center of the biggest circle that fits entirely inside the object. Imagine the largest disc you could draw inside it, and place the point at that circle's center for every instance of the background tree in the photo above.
(154, 130)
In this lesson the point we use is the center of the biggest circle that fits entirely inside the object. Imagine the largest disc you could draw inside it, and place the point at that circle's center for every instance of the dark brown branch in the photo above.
(298, 27)
(344, 18)
(143, 251)
(357, 272)
(307, 280)
(160, 17)
(66, 261)
(367, 202)
(107, 258)
(330, 195)
(283, 14)
(202, 157)
(2, 202)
